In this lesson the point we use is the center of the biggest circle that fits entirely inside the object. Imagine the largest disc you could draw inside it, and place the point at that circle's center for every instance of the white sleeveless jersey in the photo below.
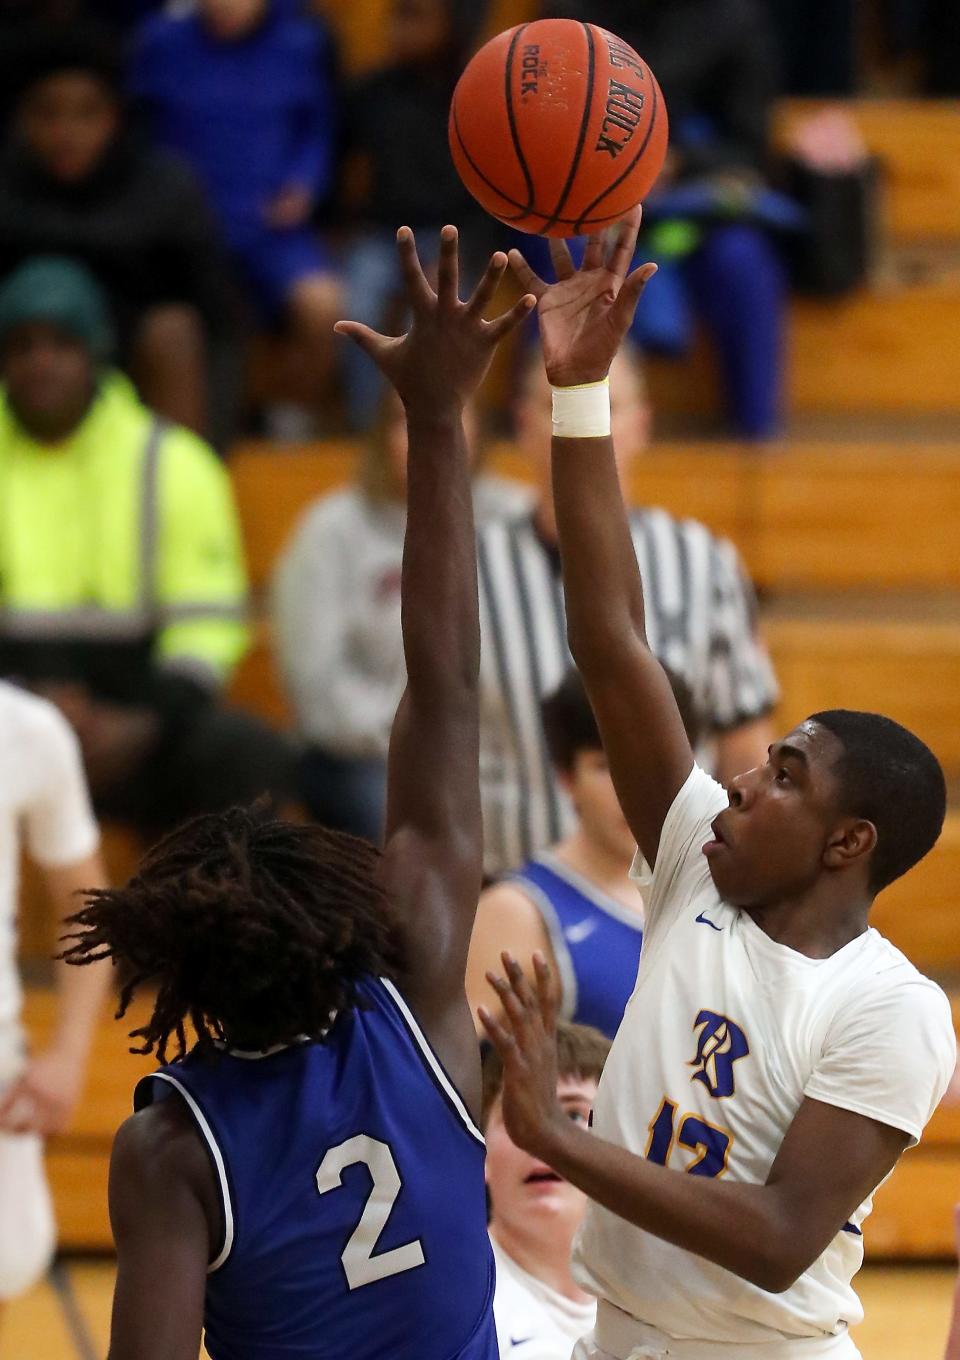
(725, 1035)
(43, 804)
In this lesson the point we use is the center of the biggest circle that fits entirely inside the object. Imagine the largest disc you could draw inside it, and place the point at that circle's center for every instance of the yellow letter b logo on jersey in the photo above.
(720, 1045)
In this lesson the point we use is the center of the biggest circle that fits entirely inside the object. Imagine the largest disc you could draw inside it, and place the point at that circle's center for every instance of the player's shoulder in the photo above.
(883, 980)
(30, 722)
(508, 901)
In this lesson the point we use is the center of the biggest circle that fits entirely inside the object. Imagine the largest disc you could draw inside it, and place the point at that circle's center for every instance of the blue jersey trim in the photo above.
(601, 900)
(206, 1132)
(561, 951)
(433, 1064)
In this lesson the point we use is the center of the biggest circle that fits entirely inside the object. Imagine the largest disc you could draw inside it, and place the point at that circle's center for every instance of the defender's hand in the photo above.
(585, 315)
(442, 360)
(526, 1039)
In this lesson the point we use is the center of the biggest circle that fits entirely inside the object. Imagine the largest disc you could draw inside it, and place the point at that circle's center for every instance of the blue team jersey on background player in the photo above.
(353, 1196)
(595, 940)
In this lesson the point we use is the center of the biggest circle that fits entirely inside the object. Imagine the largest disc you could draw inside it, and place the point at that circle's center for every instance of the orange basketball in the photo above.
(558, 127)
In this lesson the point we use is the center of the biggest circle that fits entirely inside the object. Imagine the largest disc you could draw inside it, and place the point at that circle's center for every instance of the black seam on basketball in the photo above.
(518, 149)
(584, 123)
(524, 212)
(584, 219)
(514, 203)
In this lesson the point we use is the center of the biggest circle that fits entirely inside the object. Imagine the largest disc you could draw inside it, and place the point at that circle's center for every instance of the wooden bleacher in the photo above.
(918, 142)
(808, 515)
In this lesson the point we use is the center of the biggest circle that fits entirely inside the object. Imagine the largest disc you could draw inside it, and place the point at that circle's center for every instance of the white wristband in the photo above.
(582, 412)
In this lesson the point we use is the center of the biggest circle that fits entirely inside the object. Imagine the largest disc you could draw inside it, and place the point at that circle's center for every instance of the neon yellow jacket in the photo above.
(125, 531)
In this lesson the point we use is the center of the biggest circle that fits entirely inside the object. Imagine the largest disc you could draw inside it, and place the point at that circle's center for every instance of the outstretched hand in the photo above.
(585, 315)
(526, 1039)
(444, 356)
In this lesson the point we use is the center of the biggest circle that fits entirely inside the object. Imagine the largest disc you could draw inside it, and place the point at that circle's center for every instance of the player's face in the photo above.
(68, 121)
(419, 29)
(771, 842)
(629, 418)
(230, 20)
(49, 378)
(595, 802)
(526, 1197)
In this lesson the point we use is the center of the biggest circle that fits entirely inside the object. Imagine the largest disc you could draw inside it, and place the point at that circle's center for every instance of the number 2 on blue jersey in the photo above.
(710, 1144)
(360, 1265)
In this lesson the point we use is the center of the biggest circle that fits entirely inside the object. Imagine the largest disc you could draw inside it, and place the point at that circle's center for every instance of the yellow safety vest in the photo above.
(126, 529)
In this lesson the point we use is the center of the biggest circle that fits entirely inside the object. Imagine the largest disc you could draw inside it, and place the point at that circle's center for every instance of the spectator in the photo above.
(700, 620)
(534, 1215)
(398, 168)
(44, 800)
(715, 61)
(122, 586)
(575, 902)
(337, 620)
(75, 180)
(244, 90)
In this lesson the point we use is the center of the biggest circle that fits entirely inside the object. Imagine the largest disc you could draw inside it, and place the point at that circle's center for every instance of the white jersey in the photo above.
(533, 1321)
(43, 805)
(725, 1035)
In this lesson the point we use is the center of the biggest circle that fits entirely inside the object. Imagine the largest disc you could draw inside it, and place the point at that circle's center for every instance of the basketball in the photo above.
(558, 127)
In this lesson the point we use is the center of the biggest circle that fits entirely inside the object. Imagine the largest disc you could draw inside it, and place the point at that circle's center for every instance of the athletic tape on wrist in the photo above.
(582, 412)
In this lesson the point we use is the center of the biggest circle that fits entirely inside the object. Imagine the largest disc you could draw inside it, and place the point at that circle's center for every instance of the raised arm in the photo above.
(584, 317)
(432, 858)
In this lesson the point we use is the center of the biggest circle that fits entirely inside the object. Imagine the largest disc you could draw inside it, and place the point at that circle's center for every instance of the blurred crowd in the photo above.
(178, 178)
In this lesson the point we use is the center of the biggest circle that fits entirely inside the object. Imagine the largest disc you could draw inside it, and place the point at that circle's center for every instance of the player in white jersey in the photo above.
(777, 1055)
(539, 1308)
(43, 800)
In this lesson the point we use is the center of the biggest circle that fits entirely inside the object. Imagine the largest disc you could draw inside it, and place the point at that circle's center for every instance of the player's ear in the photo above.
(853, 840)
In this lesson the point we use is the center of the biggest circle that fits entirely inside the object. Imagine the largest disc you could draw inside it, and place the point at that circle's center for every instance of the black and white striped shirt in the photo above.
(700, 618)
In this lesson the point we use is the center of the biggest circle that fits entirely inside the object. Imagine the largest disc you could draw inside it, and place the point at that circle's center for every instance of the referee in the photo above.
(701, 622)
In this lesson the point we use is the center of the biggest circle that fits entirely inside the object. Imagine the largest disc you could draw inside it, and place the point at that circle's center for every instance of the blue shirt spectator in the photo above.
(254, 115)
(244, 90)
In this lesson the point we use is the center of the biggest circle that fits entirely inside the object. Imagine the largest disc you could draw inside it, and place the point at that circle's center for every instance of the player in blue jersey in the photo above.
(307, 1181)
(575, 903)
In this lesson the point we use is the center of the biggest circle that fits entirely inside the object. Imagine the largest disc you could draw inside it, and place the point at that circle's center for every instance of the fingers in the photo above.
(624, 244)
(528, 280)
(18, 1110)
(419, 292)
(502, 1040)
(510, 320)
(448, 268)
(630, 294)
(370, 341)
(546, 992)
(594, 254)
(485, 289)
(562, 259)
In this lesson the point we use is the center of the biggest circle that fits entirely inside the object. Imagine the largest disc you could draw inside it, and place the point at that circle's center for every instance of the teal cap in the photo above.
(63, 293)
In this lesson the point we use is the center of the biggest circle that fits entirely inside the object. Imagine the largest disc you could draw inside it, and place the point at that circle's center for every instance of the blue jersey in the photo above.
(595, 941)
(353, 1198)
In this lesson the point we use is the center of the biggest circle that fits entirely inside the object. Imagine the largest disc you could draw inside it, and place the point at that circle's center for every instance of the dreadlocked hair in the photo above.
(253, 929)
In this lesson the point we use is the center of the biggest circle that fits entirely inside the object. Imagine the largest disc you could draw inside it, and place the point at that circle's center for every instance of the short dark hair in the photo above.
(581, 1052)
(84, 46)
(893, 779)
(252, 929)
(570, 727)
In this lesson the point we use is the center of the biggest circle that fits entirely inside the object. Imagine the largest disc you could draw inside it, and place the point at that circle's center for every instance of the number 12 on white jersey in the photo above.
(360, 1263)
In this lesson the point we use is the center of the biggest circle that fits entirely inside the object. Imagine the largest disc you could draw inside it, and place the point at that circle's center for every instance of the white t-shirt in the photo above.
(725, 1034)
(533, 1321)
(45, 807)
